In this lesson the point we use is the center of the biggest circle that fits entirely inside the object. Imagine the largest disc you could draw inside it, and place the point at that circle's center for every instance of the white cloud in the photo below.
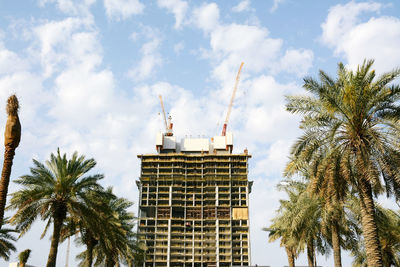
(234, 43)
(71, 7)
(82, 95)
(10, 62)
(206, 17)
(296, 61)
(274, 159)
(342, 18)
(243, 5)
(265, 103)
(263, 204)
(275, 5)
(179, 47)
(377, 38)
(122, 9)
(177, 7)
(151, 57)
(51, 37)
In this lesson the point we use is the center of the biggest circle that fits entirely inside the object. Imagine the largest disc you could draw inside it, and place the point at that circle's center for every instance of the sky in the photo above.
(88, 74)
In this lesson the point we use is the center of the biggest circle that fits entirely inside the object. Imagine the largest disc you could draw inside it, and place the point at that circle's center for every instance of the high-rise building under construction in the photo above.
(194, 200)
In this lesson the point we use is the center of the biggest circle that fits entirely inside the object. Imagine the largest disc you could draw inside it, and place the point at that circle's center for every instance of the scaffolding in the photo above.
(193, 209)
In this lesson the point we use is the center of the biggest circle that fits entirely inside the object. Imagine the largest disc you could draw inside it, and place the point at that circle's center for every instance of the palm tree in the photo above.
(327, 182)
(12, 136)
(279, 229)
(355, 115)
(55, 191)
(113, 239)
(6, 243)
(120, 240)
(23, 257)
(388, 223)
(298, 223)
(90, 229)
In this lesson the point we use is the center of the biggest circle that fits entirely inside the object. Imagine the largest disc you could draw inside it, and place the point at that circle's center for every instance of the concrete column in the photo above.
(169, 243)
(217, 240)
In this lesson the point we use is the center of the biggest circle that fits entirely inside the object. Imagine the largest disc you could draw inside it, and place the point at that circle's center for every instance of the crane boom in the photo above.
(231, 102)
(163, 111)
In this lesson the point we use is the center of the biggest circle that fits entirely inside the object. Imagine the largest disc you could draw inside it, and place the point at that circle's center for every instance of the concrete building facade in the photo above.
(193, 203)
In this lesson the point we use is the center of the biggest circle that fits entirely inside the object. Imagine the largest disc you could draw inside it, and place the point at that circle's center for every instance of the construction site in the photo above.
(194, 200)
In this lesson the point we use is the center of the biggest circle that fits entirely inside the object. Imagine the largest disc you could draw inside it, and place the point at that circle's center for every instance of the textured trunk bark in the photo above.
(5, 179)
(290, 255)
(55, 239)
(336, 245)
(310, 254)
(89, 255)
(110, 262)
(370, 230)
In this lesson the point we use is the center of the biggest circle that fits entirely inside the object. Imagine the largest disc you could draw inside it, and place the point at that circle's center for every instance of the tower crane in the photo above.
(168, 125)
(231, 102)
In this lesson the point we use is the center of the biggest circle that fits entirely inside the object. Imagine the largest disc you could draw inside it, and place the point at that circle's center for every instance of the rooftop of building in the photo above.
(217, 145)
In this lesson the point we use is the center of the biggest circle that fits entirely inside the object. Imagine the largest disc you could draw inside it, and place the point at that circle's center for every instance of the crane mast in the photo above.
(232, 99)
(163, 112)
(168, 126)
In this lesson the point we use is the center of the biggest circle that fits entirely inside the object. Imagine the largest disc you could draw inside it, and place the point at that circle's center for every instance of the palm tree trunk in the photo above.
(21, 264)
(110, 262)
(89, 255)
(5, 179)
(370, 230)
(310, 253)
(336, 244)
(290, 255)
(55, 239)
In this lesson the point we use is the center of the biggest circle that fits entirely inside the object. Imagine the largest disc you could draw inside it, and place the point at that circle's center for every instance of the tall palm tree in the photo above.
(90, 229)
(12, 136)
(388, 223)
(357, 116)
(6, 242)
(55, 191)
(121, 239)
(23, 257)
(327, 182)
(298, 222)
(115, 239)
(279, 229)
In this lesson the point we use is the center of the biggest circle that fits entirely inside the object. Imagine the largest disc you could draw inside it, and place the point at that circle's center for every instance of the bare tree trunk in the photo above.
(89, 254)
(110, 262)
(5, 179)
(55, 239)
(310, 253)
(290, 255)
(336, 244)
(370, 230)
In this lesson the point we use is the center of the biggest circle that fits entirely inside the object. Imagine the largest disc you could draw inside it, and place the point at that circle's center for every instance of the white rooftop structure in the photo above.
(217, 144)
(16, 264)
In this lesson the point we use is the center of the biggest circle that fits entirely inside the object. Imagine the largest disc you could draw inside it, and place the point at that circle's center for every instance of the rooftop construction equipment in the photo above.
(231, 101)
(169, 125)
